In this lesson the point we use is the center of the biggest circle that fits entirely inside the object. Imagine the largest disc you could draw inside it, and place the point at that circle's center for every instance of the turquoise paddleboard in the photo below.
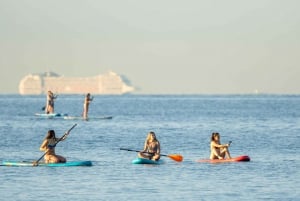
(30, 163)
(146, 161)
(51, 115)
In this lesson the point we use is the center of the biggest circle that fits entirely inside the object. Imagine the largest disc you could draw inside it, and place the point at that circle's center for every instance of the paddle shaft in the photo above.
(175, 157)
(60, 139)
(140, 151)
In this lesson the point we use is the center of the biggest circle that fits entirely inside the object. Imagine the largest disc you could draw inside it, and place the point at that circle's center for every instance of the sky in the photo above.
(161, 46)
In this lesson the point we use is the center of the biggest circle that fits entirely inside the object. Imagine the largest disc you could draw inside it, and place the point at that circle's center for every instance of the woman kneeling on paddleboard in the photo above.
(151, 148)
(48, 146)
(218, 150)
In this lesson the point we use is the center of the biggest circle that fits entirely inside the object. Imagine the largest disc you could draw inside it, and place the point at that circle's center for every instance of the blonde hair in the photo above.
(151, 133)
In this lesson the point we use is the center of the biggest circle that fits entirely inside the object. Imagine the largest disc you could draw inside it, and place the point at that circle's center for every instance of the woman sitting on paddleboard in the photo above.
(151, 148)
(48, 146)
(218, 150)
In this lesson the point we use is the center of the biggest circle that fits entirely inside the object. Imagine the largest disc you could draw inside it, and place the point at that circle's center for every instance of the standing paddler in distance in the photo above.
(49, 109)
(151, 148)
(87, 100)
(48, 146)
(218, 150)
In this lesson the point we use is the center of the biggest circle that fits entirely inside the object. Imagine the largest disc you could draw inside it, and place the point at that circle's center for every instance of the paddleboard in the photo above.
(51, 115)
(89, 118)
(30, 163)
(243, 158)
(146, 161)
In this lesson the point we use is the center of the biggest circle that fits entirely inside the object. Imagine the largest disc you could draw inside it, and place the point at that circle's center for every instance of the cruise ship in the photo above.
(108, 83)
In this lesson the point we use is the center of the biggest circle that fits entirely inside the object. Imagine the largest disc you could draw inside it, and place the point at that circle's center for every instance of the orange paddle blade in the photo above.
(176, 157)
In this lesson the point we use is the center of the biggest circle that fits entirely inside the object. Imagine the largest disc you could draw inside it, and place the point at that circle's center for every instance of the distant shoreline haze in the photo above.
(163, 47)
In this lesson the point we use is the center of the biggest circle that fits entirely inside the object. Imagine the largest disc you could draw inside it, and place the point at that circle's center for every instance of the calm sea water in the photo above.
(267, 128)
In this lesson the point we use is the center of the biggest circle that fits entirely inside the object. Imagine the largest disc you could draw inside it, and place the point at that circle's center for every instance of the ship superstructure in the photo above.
(108, 83)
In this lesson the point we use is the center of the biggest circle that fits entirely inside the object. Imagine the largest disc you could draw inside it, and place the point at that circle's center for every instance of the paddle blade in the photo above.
(176, 157)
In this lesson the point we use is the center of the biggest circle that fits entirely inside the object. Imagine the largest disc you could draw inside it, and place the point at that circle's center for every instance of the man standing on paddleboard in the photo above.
(86, 105)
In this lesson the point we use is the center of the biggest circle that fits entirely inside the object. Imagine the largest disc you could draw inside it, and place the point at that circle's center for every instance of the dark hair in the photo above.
(50, 134)
(213, 135)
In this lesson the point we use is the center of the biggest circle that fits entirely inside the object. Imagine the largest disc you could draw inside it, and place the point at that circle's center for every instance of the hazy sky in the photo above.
(161, 46)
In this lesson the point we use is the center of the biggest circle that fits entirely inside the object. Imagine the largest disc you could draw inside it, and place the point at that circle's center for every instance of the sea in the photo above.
(264, 127)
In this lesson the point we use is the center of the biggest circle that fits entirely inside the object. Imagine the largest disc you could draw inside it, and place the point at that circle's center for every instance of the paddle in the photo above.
(36, 163)
(175, 157)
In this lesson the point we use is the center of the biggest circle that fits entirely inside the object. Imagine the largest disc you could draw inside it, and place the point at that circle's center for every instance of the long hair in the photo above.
(151, 133)
(213, 135)
(50, 134)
